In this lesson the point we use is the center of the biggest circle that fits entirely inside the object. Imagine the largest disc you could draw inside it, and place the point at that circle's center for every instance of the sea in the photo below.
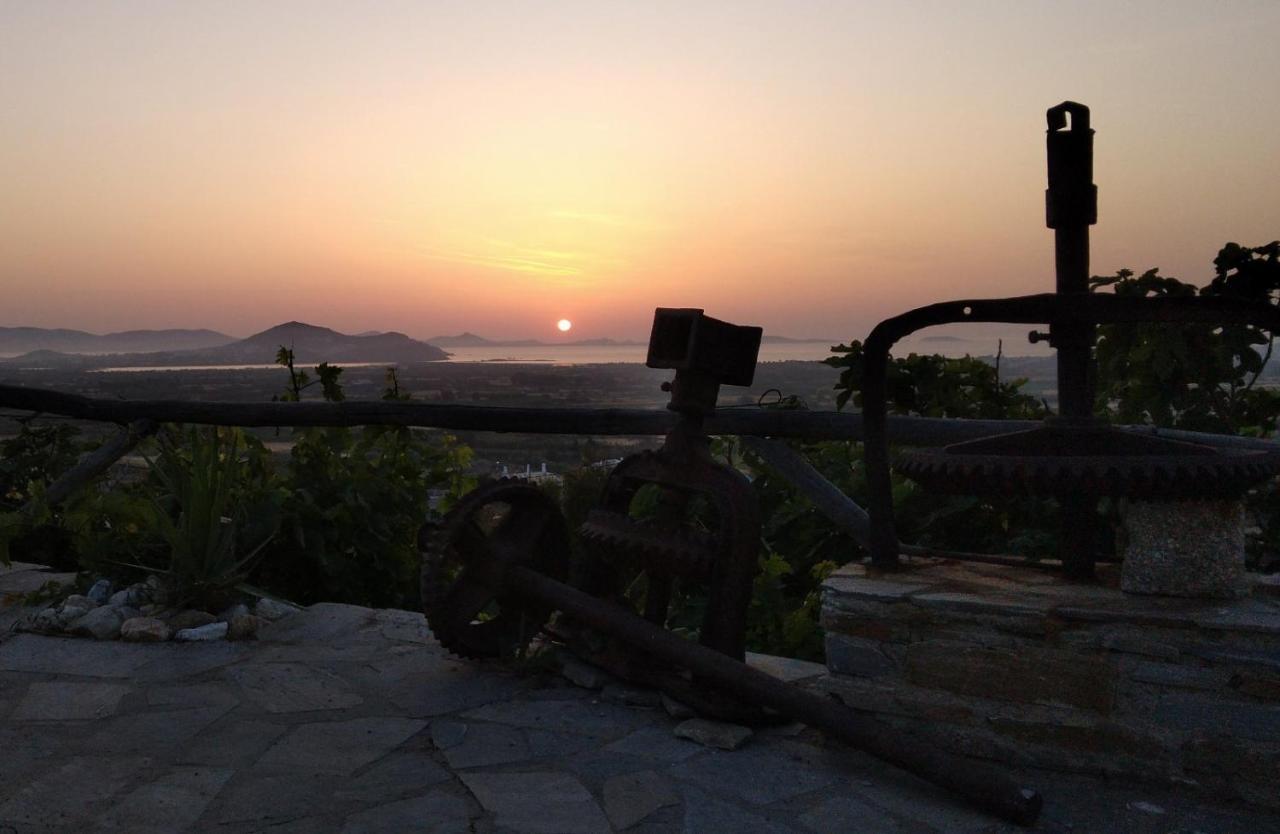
(1012, 342)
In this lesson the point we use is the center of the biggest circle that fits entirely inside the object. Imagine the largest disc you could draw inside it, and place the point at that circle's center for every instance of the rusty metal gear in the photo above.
(680, 552)
(1063, 459)
(496, 526)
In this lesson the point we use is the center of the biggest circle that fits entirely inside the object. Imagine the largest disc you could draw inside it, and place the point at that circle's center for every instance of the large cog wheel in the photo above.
(496, 526)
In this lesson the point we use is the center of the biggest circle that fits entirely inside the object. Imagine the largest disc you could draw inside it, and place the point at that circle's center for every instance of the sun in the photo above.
(564, 325)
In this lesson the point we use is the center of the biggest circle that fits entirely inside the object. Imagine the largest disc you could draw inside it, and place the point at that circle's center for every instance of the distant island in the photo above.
(310, 345)
(472, 340)
(19, 340)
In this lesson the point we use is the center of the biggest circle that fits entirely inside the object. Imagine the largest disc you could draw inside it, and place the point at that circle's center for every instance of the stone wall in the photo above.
(1016, 665)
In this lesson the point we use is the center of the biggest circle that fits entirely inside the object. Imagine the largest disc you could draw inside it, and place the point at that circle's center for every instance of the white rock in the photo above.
(100, 592)
(68, 614)
(119, 598)
(714, 733)
(269, 609)
(79, 601)
(101, 623)
(48, 620)
(212, 631)
(144, 630)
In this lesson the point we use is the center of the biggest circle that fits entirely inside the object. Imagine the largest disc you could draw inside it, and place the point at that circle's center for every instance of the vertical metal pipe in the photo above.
(1071, 207)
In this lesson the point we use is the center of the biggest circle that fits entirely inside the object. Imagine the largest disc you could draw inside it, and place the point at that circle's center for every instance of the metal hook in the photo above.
(1057, 116)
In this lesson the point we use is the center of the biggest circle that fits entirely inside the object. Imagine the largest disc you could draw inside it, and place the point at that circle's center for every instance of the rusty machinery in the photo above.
(1073, 457)
(498, 566)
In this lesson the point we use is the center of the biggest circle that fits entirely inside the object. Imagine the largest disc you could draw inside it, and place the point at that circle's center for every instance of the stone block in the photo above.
(1161, 558)
(1045, 676)
(976, 603)
(1174, 676)
(785, 668)
(1261, 686)
(1198, 711)
(838, 588)
(870, 628)
(1081, 733)
(1259, 616)
(858, 657)
(713, 733)
(1132, 642)
(887, 696)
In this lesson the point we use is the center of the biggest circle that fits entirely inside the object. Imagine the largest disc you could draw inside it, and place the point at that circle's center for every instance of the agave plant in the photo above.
(203, 476)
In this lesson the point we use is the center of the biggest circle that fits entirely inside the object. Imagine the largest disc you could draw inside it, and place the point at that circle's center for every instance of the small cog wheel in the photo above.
(499, 525)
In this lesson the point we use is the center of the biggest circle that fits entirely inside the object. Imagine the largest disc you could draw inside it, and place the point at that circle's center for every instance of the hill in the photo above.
(310, 345)
(18, 340)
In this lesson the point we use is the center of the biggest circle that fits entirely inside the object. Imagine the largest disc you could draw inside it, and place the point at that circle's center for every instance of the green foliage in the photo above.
(1200, 377)
(29, 462)
(208, 477)
(326, 377)
(1196, 377)
(353, 502)
(929, 385)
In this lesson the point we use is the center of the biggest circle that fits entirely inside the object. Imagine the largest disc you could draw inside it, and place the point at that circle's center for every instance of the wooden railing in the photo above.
(761, 428)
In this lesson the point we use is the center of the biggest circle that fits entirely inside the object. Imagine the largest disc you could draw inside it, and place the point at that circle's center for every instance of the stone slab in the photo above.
(582, 717)
(67, 701)
(630, 798)
(544, 802)
(338, 747)
(848, 813)
(324, 622)
(787, 669)
(293, 687)
(706, 814)
(61, 798)
(437, 812)
(152, 733)
(483, 745)
(170, 803)
(397, 775)
(656, 743)
(759, 775)
(68, 656)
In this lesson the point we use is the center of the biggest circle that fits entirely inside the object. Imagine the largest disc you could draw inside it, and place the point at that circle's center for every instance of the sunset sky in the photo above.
(494, 167)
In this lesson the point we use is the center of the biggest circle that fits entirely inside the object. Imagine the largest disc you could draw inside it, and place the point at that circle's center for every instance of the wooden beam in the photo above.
(94, 463)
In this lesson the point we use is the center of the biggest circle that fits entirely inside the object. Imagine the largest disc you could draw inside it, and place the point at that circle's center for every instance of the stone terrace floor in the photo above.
(346, 719)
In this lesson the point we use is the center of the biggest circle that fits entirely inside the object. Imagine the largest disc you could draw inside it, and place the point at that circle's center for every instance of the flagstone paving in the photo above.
(345, 720)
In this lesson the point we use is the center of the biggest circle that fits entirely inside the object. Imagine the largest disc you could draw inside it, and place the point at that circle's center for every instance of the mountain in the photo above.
(310, 345)
(461, 340)
(472, 340)
(16, 340)
(787, 340)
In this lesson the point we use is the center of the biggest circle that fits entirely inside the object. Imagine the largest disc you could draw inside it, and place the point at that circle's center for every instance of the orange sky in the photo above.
(435, 167)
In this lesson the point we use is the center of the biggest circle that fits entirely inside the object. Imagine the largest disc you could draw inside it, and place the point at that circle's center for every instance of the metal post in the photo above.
(1071, 207)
